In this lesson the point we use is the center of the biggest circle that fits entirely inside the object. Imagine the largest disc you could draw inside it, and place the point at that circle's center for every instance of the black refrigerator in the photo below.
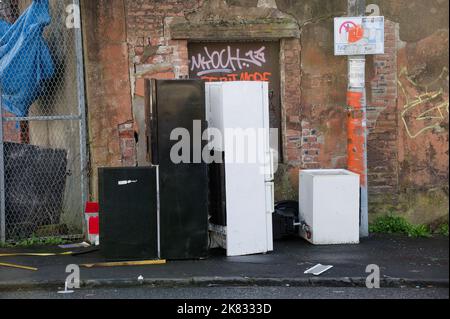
(129, 215)
(175, 106)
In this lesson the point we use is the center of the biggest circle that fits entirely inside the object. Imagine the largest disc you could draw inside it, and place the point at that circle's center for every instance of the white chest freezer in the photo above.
(329, 205)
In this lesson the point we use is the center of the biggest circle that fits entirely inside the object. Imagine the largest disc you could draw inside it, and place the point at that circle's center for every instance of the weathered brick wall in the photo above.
(128, 144)
(323, 100)
(314, 85)
(108, 82)
(408, 146)
(382, 118)
(423, 121)
(9, 12)
(11, 130)
(291, 114)
(153, 54)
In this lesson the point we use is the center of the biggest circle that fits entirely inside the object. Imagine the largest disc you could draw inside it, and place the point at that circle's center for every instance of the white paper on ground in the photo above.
(318, 270)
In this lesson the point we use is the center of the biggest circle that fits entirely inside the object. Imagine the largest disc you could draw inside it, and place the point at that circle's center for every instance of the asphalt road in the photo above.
(235, 293)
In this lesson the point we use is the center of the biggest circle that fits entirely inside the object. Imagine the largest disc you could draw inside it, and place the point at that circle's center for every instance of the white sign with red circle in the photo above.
(359, 35)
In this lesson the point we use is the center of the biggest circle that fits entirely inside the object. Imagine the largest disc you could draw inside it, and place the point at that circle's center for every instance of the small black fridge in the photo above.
(129, 215)
(176, 112)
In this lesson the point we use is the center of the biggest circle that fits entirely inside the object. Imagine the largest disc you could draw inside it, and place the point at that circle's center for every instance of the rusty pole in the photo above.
(357, 124)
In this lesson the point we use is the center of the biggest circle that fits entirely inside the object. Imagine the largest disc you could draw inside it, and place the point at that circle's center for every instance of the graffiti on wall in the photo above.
(244, 76)
(227, 60)
(240, 61)
(426, 111)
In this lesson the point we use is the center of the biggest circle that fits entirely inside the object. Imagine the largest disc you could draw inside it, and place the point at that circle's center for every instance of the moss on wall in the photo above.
(428, 207)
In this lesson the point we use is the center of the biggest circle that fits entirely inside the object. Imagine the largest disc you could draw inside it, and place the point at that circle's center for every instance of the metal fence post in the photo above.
(2, 178)
(81, 108)
(358, 8)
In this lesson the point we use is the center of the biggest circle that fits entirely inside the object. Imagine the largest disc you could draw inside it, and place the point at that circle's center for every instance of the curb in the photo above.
(230, 282)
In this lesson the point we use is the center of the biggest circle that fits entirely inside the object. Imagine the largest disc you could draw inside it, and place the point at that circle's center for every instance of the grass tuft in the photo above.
(443, 230)
(391, 224)
(36, 242)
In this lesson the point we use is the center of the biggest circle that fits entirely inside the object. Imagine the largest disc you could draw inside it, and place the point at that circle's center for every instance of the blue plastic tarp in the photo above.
(25, 59)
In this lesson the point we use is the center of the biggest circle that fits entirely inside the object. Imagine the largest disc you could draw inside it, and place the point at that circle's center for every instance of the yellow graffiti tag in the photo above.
(424, 105)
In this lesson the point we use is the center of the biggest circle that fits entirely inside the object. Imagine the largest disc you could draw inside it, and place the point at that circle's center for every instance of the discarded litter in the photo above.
(318, 270)
(18, 266)
(73, 246)
(126, 263)
(36, 254)
(86, 251)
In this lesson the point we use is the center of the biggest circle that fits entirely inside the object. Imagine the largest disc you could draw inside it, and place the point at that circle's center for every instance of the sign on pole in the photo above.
(358, 35)
(357, 73)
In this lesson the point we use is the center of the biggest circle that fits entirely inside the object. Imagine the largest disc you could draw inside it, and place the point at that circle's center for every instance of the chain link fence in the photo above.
(43, 171)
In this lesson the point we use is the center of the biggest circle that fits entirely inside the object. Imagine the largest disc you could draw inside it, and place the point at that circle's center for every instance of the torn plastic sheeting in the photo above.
(4, 27)
(25, 59)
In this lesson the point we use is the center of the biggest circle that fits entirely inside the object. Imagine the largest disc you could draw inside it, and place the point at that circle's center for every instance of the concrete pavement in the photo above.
(403, 262)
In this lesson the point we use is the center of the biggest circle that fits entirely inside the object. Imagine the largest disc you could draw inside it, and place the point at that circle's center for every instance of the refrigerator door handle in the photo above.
(270, 198)
(270, 167)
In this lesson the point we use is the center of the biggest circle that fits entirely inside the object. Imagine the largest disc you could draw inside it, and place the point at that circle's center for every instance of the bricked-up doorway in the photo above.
(241, 61)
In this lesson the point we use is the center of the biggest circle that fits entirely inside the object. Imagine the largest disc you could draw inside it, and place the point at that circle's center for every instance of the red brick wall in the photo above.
(314, 133)
(11, 130)
(128, 144)
(108, 82)
(129, 41)
(152, 52)
(288, 171)
(382, 117)
(291, 83)
(323, 100)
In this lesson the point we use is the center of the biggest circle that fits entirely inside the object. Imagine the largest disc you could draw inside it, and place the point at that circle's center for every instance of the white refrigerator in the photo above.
(243, 185)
